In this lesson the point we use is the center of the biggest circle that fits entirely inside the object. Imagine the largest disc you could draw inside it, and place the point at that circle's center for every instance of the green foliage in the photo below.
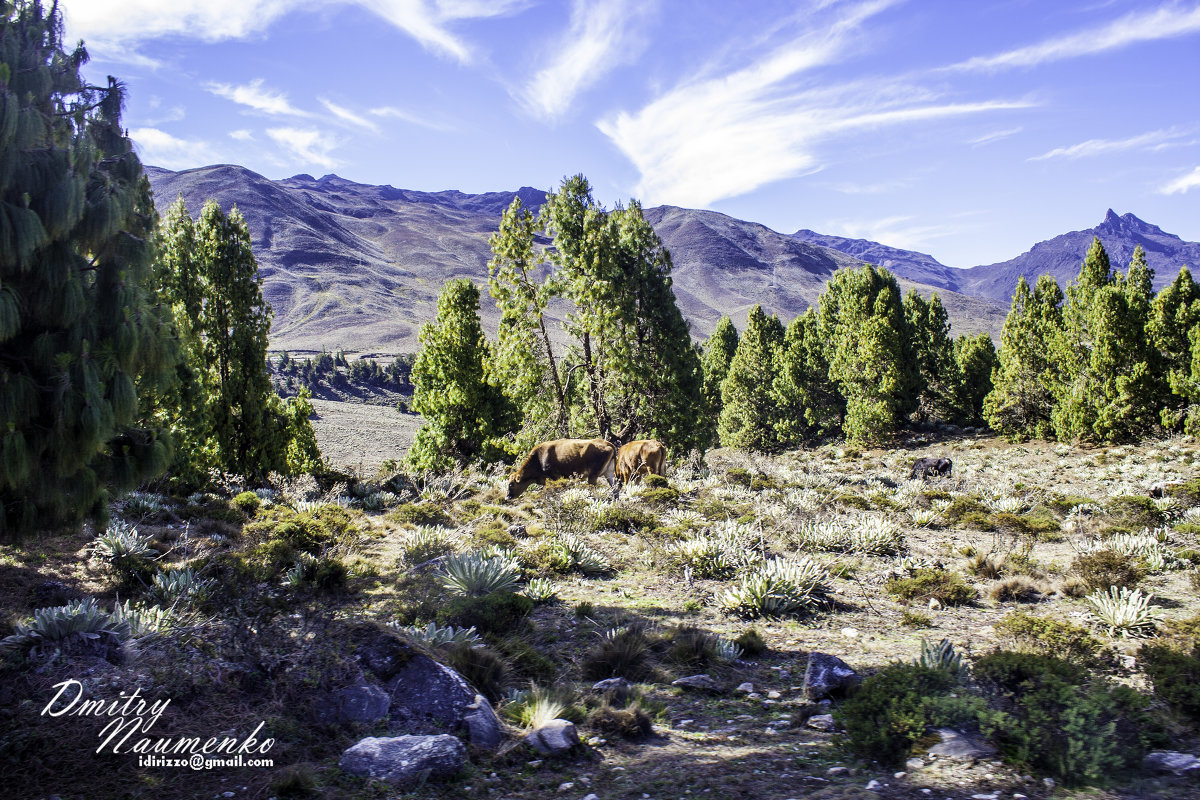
(890, 711)
(869, 346)
(1022, 400)
(1174, 313)
(1104, 568)
(751, 642)
(1063, 640)
(942, 397)
(696, 649)
(1058, 722)
(483, 668)
(475, 576)
(809, 404)
(494, 613)
(748, 410)
(977, 361)
(925, 584)
(626, 519)
(83, 342)
(620, 653)
(776, 588)
(77, 622)
(246, 502)
(423, 513)
(466, 412)
(628, 723)
(1176, 675)
(717, 355)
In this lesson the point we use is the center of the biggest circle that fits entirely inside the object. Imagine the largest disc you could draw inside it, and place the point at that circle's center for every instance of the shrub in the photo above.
(1018, 589)
(584, 609)
(946, 587)
(964, 506)
(1135, 512)
(1058, 722)
(661, 496)
(986, 565)
(656, 482)
(498, 612)
(1062, 640)
(915, 619)
(246, 502)
(624, 519)
(694, 648)
(751, 642)
(628, 723)
(78, 625)
(777, 587)
(483, 668)
(1104, 568)
(423, 513)
(620, 653)
(1038, 522)
(526, 660)
(476, 576)
(890, 711)
(1175, 673)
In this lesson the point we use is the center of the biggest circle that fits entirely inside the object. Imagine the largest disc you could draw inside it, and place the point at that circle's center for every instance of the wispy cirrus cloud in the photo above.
(1182, 184)
(1152, 140)
(161, 149)
(1166, 22)
(346, 115)
(391, 112)
(603, 35)
(904, 232)
(254, 95)
(729, 134)
(995, 136)
(112, 27)
(306, 146)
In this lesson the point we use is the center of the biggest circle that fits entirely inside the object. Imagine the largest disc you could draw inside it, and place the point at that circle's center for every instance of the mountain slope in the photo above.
(914, 266)
(349, 265)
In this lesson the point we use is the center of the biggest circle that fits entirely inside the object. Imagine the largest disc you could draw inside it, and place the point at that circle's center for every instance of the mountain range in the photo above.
(359, 267)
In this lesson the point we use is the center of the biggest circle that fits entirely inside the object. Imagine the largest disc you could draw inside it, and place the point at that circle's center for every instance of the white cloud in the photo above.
(348, 116)
(242, 135)
(1165, 22)
(1183, 183)
(848, 187)
(602, 37)
(172, 114)
(161, 149)
(110, 26)
(306, 145)
(391, 112)
(899, 231)
(995, 136)
(729, 134)
(254, 96)
(1154, 140)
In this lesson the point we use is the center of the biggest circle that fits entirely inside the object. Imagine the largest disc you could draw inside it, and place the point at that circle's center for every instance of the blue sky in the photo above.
(968, 130)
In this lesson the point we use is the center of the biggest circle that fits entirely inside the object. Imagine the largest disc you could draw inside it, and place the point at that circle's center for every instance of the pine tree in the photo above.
(1074, 414)
(1185, 384)
(749, 412)
(976, 358)
(1021, 402)
(465, 411)
(714, 364)
(868, 343)
(942, 396)
(1173, 314)
(809, 405)
(80, 331)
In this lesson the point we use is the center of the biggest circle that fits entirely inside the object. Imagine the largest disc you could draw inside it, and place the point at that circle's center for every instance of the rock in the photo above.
(483, 726)
(701, 682)
(556, 737)
(928, 467)
(745, 688)
(566, 786)
(828, 675)
(822, 722)
(517, 529)
(1048, 782)
(619, 688)
(914, 764)
(960, 747)
(591, 797)
(850, 633)
(899, 775)
(935, 604)
(992, 796)
(874, 786)
(1171, 761)
(361, 703)
(53, 593)
(836, 771)
(405, 761)
(773, 695)
(385, 654)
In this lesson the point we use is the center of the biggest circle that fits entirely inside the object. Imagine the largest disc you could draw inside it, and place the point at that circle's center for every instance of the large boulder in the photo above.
(405, 761)
(361, 703)
(828, 676)
(556, 737)
(928, 467)
(959, 746)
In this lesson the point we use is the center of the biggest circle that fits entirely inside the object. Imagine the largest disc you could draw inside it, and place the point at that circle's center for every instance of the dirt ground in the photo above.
(360, 437)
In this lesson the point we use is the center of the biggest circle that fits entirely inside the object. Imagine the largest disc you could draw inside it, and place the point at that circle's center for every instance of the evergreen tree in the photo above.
(1022, 399)
(1075, 384)
(465, 411)
(861, 321)
(714, 364)
(1173, 314)
(976, 359)
(942, 394)
(80, 333)
(748, 408)
(809, 405)
(1185, 384)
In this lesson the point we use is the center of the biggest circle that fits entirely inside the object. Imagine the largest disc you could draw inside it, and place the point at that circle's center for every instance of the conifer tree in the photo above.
(976, 358)
(748, 408)
(808, 403)
(942, 393)
(1173, 313)
(1185, 384)
(1021, 401)
(862, 324)
(465, 411)
(1074, 414)
(714, 364)
(80, 333)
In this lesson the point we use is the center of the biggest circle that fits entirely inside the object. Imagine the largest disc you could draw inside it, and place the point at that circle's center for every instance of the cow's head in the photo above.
(515, 487)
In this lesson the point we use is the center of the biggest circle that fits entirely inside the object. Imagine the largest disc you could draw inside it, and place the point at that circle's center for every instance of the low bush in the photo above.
(494, 613)
(963, 507)
(628, 723)
(662, 496)
(621, 653)
(1175, 672)
(1134, 512)
(483, 668)
(946, 587)
(246, 502)
(1017, 589)
(891, 710)
(625, 519)
(696, 649)
(419, 514)
(1104, 568)
(751, 642)
(1062, 640)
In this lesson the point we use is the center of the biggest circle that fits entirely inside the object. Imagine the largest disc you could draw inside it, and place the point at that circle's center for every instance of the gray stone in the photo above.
(829, 676)
(556, 737)
(1171, 761)
(517, 529)
(362, 703)
(836, 771)
(483, 726)
(745, 688)
(619, 688)
(874, 786)
(959, 746)
(701, 682)
(914, 764)
(405, 761)
(822, 722)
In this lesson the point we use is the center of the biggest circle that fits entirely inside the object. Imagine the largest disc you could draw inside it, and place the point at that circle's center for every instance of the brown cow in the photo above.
(560, 458)
(639, 458)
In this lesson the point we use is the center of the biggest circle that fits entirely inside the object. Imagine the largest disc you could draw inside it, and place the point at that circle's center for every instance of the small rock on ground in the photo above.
(403, 761)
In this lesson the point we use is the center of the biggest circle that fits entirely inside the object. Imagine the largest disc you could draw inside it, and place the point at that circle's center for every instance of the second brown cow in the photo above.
(640, 458)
